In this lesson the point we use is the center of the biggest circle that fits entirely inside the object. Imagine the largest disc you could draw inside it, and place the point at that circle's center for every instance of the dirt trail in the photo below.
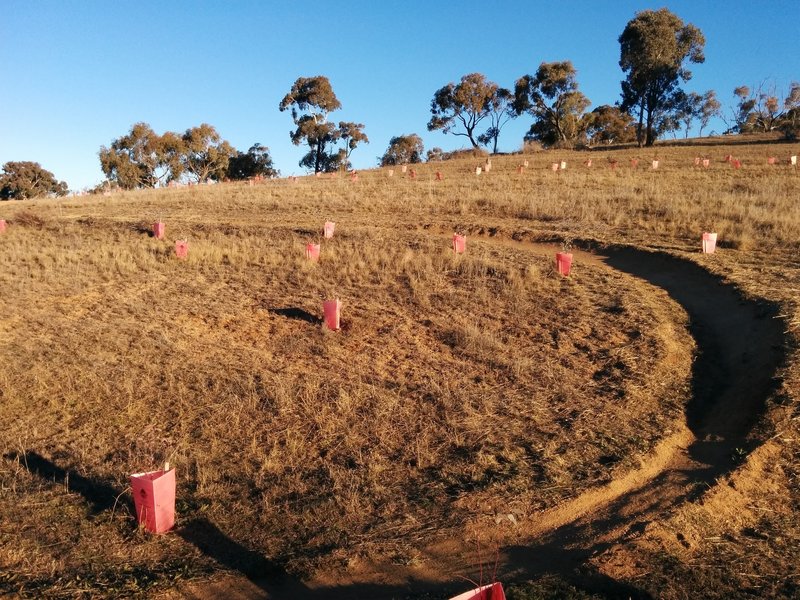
(740, 346)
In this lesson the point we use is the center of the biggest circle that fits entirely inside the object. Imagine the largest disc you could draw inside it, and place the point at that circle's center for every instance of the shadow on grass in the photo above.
(297, 314)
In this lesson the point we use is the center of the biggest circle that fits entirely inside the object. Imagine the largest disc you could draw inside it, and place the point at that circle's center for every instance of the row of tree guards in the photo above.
(699, 161)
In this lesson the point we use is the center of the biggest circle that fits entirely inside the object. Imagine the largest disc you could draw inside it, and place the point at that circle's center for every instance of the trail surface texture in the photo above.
(740, 346)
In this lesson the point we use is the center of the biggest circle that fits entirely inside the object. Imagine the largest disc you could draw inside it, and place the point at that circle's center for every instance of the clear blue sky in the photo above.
(75, 75)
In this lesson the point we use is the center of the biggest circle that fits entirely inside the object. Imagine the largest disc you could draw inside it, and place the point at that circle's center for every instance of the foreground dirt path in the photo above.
(740, 346)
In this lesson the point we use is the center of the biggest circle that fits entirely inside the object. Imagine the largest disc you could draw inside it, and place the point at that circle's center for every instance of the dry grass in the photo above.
(459, 385)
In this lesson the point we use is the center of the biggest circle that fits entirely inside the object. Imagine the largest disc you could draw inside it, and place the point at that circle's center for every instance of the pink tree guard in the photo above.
(706, 163)
(2, 225)
(564, 263)
(771, 160)
(154, 499)
(634, 163)
(520, 169)
(459, 243)
(327, 230)
(182, 249)
(493, 591)
(412, 173)
(554, 167)
(312, 251)
(737, 164)
(438, 175)
(696, 161)
(709, 243)
(588, 162)
(354, 176)
(332, 310)
(158, 230)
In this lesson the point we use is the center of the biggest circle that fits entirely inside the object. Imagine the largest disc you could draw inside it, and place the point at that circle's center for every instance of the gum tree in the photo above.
(654, 48)
(463, 105)
(25, 179)
(552, 98)
(403, 149)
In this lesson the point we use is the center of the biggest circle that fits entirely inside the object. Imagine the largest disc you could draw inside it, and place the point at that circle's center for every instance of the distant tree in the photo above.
(205, 156)
(501, 111)
(609, 125)
(691, 107)
(710, 107)
(142, 158)
(435, 154)
(791, 121)
(403, 149)
(465, 104)
(687, 107)
(742, 117)
(761, 110)
(311, 99)
(653, 48)
(24, 179)
(255, 162)
(351, 135)
(551, 96)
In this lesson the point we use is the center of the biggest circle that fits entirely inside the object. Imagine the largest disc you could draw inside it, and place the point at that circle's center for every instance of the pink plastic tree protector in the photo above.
(493, 591)
(158, 230)
(182, 249)
(154, 499)
(709, 243)
(312, 251)
(563, 262)
(332, 311)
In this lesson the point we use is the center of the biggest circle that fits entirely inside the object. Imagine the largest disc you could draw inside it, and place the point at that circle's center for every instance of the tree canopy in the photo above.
(761, 110)
(142, 158)
(464, 105)
(654, 47)
(552, 97)
(311, 99)
(609, 125)
(204, 155)
(256, 162)
(403, 149)
(25, 179)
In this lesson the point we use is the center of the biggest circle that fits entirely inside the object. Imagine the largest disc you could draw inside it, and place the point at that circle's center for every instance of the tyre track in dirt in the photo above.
(740, 346)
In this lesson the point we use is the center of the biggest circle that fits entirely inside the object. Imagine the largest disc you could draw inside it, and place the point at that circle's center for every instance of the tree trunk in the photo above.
(317, 157)
(639, 127)
(649, 141)
(469, 135)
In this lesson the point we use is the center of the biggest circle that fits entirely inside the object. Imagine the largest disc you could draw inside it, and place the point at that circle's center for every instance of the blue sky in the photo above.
(75, 75)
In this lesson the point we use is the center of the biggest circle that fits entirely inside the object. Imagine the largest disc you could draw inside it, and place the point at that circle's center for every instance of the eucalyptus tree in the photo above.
(654, 47)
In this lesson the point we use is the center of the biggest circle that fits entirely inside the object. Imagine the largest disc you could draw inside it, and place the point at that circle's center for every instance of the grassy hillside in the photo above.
(460, 388)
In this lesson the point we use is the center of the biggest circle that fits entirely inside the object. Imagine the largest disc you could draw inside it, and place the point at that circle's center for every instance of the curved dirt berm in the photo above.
(740, 346)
